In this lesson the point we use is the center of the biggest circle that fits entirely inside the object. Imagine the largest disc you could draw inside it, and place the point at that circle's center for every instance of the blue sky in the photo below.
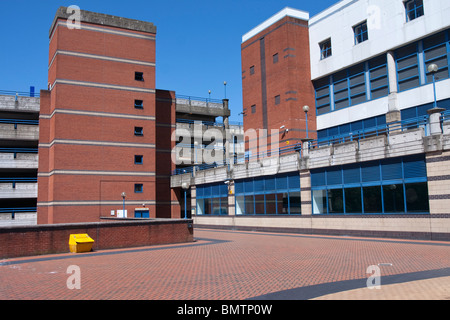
(198, 42)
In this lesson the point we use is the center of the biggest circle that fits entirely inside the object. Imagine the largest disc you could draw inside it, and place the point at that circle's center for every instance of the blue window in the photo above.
(138, 188)
(139, 104)
(322, 92)
(138, 159)
(436, 50)
(143, 213)
(361, 32)
(397, 185)
(379, 83)
(360, 83)
(414, 9)
(138, 131)
(212, 199)
(408, 67)
(269, 195)
(325, 49)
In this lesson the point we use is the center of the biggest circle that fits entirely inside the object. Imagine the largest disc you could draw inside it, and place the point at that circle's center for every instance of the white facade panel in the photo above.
(387, 26)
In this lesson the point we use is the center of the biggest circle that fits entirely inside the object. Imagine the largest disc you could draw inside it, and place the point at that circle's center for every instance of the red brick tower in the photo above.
(276, 77)
(98, 120)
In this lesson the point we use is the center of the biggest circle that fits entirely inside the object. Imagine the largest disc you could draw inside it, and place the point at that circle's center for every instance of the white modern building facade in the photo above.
(382, 68)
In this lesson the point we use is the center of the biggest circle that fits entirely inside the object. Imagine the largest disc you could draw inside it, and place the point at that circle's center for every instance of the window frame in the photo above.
(139, 159)
(138, 188)
(361, 32)
(417, 5)
(325, 49)
(139, 131)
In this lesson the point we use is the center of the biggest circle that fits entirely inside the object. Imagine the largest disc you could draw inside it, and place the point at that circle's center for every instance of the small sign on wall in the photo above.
(120, 214)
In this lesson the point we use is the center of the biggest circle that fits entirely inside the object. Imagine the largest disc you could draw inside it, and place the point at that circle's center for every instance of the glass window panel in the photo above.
(392, 169)
(334, 176)
(409, 84)
(295, 203)
(259, 185)
(359, 99)
(335, 201)
(271, 204)
(248, 186)
(224, 206)
(239, 187)
(249, 205)
(353, 200)
(240, 205)
(200, 206)
(259, 204)
(319, 201)
(323, 91)
(434, 40)
(294, 182)
(323, 110)
(282, 182)
(215, 206)
(207, 206)
(417, 197)
(372, 199)
(341, 104)
(407, 62)
(379, 93)
(393, 198)
(323, 101)
(378, 72)
(270, 183)
(352, 175)
(341, 95)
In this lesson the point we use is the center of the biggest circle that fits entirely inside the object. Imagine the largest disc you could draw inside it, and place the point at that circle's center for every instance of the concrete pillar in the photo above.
(435, 120)
(393, 114)
(305, 194)
(231, 199)
(193, 200)
(305, 147)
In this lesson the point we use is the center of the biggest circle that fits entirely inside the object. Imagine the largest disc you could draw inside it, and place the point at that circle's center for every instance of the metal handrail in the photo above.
(19, 94)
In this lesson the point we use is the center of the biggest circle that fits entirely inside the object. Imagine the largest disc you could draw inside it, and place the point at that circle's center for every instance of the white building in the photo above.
(369, 57)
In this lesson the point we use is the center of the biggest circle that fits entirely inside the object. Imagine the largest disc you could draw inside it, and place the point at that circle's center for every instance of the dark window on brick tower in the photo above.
(138, 188)
(139, 159)
(139, 76)
(139, 104)
(275, 58)
(252, 70)
(277, 100)
(253, 108)
(138, 131)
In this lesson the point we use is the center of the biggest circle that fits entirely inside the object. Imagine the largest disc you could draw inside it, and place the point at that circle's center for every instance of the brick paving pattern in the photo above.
(233, 265)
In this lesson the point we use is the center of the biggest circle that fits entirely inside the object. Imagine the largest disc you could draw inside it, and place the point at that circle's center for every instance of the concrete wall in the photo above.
(51, 239)
(426, 227)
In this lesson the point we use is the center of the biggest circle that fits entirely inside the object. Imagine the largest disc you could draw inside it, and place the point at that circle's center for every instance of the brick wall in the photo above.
(51, 239)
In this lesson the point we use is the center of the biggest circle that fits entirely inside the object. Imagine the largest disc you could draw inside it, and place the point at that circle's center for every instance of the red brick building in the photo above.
(276, 77)
(104, 128)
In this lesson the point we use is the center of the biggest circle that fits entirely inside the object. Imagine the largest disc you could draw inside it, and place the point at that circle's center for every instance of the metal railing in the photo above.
(385, 129)
(19, 93)
(20, 121)
(19, 150)
(191, 98)
(15, 210)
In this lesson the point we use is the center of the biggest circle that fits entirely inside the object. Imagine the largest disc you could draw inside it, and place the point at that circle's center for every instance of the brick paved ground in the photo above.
(239, 265)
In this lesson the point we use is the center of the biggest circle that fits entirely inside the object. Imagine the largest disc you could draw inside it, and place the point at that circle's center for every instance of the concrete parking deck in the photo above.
(234, 265)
